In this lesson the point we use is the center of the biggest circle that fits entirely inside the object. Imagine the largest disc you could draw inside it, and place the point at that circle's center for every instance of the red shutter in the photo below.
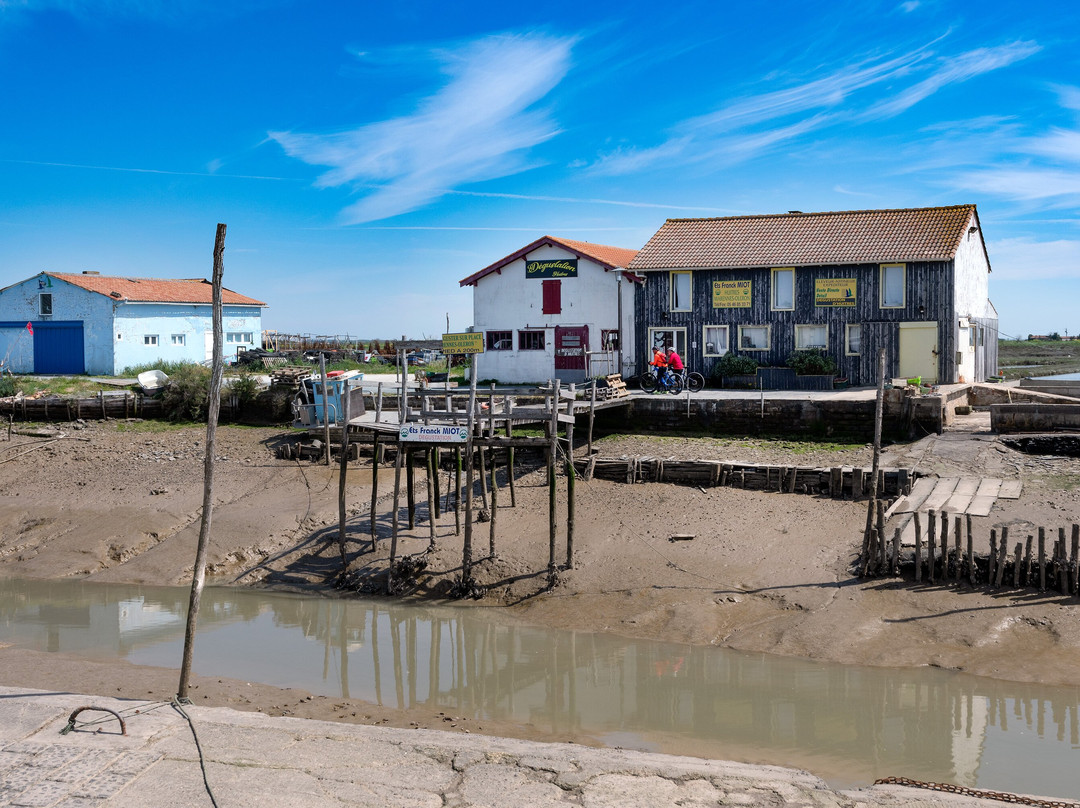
(552, 297)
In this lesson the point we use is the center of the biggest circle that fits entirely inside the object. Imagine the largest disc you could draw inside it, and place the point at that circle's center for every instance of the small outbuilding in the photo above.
(913, 281)
(555, 309)
(92, 323)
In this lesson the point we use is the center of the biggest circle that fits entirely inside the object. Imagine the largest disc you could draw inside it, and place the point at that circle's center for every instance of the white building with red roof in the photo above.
(556, 308)
(69, 323)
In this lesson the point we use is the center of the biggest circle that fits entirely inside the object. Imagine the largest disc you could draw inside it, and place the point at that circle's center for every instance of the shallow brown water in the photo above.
(848, 724)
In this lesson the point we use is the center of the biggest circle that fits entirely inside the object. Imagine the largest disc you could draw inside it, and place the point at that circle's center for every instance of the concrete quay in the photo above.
(255, 760)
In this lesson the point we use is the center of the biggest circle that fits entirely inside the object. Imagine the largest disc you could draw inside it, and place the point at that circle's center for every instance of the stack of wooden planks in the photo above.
(958, 496)
(616, 388)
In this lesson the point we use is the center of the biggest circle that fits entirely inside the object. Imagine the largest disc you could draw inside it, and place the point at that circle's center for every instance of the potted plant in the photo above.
(814, 369)
(736, 371)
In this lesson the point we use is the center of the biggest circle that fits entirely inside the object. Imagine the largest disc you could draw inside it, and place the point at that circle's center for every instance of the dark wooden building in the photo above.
(913, 281)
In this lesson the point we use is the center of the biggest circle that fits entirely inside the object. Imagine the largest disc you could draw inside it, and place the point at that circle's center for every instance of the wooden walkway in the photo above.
(957, 496)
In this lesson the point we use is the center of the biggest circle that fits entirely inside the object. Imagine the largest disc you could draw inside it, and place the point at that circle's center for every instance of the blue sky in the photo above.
(367, 156)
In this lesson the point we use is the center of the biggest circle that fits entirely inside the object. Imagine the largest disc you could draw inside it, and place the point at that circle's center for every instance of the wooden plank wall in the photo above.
(928, 298)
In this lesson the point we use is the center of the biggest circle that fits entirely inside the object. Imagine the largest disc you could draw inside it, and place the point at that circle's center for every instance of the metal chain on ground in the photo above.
(1000, 796)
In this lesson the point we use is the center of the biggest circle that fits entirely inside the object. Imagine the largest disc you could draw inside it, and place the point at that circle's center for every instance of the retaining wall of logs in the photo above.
(838, 482)
(104, 405)
(944, 553)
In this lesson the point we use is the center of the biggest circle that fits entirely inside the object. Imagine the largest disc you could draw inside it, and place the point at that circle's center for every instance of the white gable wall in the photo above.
(972, 289)
(506, 300)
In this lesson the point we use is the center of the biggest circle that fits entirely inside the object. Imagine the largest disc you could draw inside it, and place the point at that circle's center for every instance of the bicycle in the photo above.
(668, 383)
(694, 381)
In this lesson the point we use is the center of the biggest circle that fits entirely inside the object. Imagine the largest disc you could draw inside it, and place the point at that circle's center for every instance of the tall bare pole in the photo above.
(878, 413)
(198, 577)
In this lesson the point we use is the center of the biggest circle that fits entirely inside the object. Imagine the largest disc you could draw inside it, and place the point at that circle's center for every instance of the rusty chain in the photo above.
(1000, 796)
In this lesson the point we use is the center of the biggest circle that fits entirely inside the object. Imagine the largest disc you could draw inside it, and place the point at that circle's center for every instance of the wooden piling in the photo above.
(394, 520)
(466, 548)
(494, 506)
(991, 561)
(409, 490)
(432, 498)
(880, 503)
(592, 413)
(1063, 567)
(482, 456)
(510, 466)
(433, 470)
(1042, 559)
(553, 438)
(970, 553)
(958, 527)
(1027, 561)
(457, 490)
(571, 474)
(1074, 564)
(896, 552)
(1016, 564)
(1003, 553)
(342, 472)
(931, 547)
(374, 486)
(944, 546)
(918, 547)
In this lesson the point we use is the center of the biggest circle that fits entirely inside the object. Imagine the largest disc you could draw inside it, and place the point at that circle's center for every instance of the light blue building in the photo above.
(90, 323)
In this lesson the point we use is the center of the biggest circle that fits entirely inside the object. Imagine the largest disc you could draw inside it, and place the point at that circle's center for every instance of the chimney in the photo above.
(90, 272)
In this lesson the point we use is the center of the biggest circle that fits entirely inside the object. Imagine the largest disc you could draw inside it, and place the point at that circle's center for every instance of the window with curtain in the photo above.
(753, 337)
(854, 340)
(783, 289)
(892, 286)
(716, 340)
(681, 285)
(809, 337)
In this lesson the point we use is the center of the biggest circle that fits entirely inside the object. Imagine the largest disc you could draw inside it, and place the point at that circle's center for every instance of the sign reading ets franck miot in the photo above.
(558, 268)
(421, 433)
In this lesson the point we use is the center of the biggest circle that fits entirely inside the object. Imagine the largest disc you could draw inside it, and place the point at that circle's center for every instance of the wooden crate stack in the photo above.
(616, 388)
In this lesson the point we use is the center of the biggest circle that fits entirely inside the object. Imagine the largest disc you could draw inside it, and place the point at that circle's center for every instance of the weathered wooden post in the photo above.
(394, 518)
(466, 548)
(878, 413)
(1074, 564)
(958, 528)
(1003, 553)
(592, 413)
(918, 547)
(991, 561)
(432, 507)
(342, 472)
(944, 546)
(571, 475)
(198, 576)
(410, 493)
(1042, 559)
(494, 505)
(374, 484)
(325, 407)
(1027, 561)
(931, 546)
(1063, 566)
(553, 447)
(434, 472)
(457, 490)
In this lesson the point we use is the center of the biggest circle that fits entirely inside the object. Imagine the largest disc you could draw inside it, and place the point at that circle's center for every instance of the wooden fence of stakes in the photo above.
(488, 438)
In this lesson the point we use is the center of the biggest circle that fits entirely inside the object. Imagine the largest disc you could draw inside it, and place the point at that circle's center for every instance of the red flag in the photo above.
(30, 328)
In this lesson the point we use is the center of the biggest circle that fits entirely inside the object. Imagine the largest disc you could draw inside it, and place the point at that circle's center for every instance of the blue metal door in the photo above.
(58, 347)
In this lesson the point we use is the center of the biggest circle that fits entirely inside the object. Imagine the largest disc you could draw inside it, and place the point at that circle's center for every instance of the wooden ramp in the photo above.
(956, 496)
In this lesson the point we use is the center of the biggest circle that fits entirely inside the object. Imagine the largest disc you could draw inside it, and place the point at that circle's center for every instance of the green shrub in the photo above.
(811, 363)
(186, 397)
(8, 387)
(731, 364)
(244, 386)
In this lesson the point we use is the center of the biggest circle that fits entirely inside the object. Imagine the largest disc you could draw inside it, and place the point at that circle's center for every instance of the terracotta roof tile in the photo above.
(607, 257)
(154, 290)
(807, 239)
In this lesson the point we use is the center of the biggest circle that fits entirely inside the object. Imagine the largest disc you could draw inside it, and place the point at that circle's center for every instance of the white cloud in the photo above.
(758, 124)
(479, 126)
(954, 70)
(909, 6)
(1021, 184)
(1027, 259)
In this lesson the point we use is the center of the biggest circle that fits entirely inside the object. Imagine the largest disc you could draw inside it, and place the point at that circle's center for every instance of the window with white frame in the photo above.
(783, 289)
(811, 337)
(892, 286)
(681, 287)
(853, 339)
(715, 338)
(150, 339)
(753, 337)
(665, 338)
(179, 339)
(45, 304)
(238, 336)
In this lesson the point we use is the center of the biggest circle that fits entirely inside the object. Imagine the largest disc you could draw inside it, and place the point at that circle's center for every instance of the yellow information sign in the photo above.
(834, 292)
(731, 294)
(467, 343)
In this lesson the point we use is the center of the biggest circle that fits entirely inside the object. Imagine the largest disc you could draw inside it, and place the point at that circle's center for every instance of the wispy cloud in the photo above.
(478, 127)
(849, 95)
(1028, 259)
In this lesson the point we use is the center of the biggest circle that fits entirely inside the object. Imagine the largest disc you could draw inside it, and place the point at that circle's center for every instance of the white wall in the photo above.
(972, 289)
(134, 321)
(506, 300)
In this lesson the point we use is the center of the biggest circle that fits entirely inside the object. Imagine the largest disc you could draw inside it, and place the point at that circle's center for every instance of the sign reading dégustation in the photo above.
(467, 343)
(834, 292)
(421, 433)
(557, 268)
(731, 294)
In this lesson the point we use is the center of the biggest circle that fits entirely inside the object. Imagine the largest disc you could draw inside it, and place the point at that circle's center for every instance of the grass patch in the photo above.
(153, 427)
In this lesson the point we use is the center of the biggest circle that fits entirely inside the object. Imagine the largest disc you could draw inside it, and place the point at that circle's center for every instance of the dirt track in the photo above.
(766, 572)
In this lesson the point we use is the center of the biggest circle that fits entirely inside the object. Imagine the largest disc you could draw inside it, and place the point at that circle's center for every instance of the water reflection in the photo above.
(846, 723)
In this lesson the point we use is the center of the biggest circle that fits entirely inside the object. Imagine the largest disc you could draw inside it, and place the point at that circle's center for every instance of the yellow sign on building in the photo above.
(731, 294)
(467, 343)
(834, 292)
